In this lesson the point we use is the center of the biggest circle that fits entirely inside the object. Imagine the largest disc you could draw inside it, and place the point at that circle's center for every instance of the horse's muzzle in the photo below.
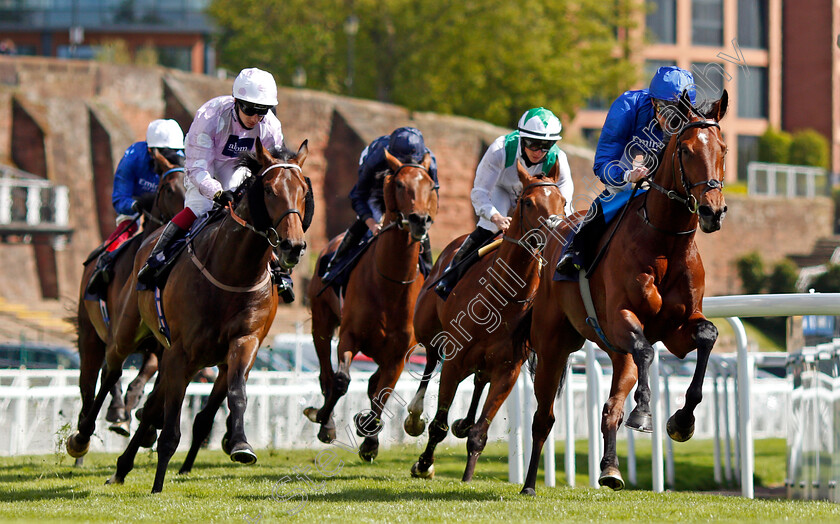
(710, 219)
(418, 225)
(290, 252)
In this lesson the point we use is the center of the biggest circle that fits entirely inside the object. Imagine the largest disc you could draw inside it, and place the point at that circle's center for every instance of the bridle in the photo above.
(688, 200)
(259, 213)
(149, 216)
(524, 224)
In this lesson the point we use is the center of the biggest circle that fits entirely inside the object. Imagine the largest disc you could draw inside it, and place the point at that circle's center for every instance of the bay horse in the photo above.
(94, 329)
(473, 330)
(378, 310)
(647, 288)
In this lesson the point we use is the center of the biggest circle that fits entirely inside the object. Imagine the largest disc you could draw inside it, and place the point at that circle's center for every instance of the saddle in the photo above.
(114, 255)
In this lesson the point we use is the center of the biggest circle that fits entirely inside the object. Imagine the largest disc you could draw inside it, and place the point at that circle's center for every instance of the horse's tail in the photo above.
(522, 348)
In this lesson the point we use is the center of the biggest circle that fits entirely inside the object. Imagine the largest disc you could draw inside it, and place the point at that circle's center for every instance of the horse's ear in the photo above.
(554, 172)
(685, 105)
(160, 161)
(524, 176)
(427, 161)
(303, 152)
(262, 154)
(393, 162)
(389, 194)
(718, 109)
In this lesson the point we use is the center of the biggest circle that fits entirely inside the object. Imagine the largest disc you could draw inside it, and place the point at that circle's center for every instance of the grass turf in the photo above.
(49, 488)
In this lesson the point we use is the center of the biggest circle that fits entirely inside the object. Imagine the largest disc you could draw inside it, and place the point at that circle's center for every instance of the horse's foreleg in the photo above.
(624, 377)
(500, 387)
(204, 419)
(340, 385)
(125, 463)
(240, 355)
(450, 378)
(79, 442)
(414, 423)
(548, 380)
(461, 427)
(704, 334)
(116, 409)
(135, 388)
(630, 335)
(173, 384)
(380, 389)
(324, 323)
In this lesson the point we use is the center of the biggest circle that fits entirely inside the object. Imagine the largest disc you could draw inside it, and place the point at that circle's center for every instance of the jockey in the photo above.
(135, 184)
(497, 184)
(223, 128)
(407, 145)
(638, 123)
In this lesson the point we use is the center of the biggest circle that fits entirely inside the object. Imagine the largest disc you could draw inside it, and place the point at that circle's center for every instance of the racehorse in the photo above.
(473, 329)
(648, 287)
(94, 327)
(379, 303)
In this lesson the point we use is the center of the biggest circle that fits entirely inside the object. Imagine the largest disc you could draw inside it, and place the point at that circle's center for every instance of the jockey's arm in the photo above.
(200, 150)
(486, 176)
(615, 136)
(565, 182)
(125, 178)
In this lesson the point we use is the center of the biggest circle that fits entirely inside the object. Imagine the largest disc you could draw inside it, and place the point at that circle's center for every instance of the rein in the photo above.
(147, 214)
(270, 234)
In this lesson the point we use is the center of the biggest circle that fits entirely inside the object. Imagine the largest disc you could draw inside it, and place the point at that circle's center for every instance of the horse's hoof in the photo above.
(677, 433)
(327, 432)
(428, 474)
(414, 426)
(226, 444)
(640, 422)
(311, 413)
(149, 438)
(461, 428)
(531, 492)
(243, 454)
(139, 415)
(122, 429)
(367, 425)
(77, 446)
(113, 480)
(184, 471)
(368, 452)
(611, 478)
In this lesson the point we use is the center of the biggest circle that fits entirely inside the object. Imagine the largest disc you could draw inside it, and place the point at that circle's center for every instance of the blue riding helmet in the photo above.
(669, 82)
(406, 143)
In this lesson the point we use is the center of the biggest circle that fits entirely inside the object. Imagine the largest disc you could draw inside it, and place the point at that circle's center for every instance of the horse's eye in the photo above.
(400, 185)
(528, 203)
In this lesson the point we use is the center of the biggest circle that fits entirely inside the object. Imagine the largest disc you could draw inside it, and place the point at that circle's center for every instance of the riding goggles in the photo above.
(536, 145)
(250, 109)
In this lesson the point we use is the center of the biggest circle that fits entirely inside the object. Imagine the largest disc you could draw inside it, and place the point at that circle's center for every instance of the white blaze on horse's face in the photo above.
(701, 136)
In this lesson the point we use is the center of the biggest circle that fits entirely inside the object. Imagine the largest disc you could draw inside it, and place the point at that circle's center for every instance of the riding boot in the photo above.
(350, 240)
(453, 271)
(282, 278)
(101, 276)
(426, 253)
(147, 273)
(566, 265)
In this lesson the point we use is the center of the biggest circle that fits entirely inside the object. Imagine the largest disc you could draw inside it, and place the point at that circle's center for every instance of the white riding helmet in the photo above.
(165, 133)
(539, 123)
(255, 86)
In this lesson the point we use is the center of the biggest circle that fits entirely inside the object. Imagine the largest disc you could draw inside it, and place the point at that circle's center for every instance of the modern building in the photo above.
(728, 44)
(177, 30)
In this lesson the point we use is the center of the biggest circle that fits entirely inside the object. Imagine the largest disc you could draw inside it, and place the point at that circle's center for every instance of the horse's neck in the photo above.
(520, 260)
(664, 212)
(397, 254)
(229, 250)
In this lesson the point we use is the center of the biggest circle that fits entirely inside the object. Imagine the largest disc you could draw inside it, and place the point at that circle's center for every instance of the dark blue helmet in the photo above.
(406, 143)
(669, 82)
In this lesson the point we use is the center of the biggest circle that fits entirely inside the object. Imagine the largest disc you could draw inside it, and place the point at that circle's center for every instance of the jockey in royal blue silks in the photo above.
(638, 123)
(366, 197)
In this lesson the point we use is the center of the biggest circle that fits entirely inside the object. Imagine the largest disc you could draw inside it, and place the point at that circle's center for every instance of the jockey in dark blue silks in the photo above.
(407, 145)
(639, 123)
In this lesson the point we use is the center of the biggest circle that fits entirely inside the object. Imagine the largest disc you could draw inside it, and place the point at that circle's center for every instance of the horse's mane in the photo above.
(249, 158)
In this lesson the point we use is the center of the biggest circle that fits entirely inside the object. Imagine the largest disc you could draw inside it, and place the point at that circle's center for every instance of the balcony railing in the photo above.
(32, 206)
(786, 180)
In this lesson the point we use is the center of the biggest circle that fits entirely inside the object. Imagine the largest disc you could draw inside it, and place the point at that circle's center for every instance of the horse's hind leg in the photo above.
(324, 323)
(461, 427)
(380, 389)
(135, 388)
(79, 442)
(624, 377)
(173, 384)
(500, 386)
(631, 336)
(117, 414)
(450, 378)
(241, 352)
(681, 424)
(204, 419)
(339, 387)
(91, 354)
(125, 463)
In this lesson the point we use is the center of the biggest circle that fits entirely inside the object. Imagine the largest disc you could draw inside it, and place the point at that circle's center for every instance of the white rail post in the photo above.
(548, 452)
(716, 415)
(514, 402)
(632, 476)
(569, 415)
(657, 465)
(593, 411)
(746, 375)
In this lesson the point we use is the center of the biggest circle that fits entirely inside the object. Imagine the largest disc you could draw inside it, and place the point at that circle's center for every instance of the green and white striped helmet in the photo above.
(539, 123)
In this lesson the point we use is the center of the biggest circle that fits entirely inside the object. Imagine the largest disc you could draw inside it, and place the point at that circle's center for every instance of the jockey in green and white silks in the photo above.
(497, 185)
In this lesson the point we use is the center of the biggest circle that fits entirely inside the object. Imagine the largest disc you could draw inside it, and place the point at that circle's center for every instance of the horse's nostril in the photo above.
(705, 211)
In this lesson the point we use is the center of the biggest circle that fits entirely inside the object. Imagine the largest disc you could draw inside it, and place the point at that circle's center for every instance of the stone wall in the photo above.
(66, 120)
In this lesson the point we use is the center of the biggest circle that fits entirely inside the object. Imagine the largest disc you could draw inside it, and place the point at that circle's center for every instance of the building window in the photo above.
(747, 152)
(752, 23)
(752, 92)
(661, 21)
(707, 22)
(80, 52)
(652, 65)
(176, 57)
(709, 80)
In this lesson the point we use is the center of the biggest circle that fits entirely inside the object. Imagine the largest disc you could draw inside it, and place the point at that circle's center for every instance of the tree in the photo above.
(751, 270)
(828, 282)
(774, 146)
(783, 278)
(809, 148)
(490, 60)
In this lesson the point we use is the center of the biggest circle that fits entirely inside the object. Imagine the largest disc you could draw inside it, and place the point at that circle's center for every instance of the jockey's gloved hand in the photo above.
(144, 201)
(223, 198)
(136, 207)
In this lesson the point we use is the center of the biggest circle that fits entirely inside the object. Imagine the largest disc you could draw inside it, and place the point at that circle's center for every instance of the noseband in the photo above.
(269, 233)
(689, 200)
